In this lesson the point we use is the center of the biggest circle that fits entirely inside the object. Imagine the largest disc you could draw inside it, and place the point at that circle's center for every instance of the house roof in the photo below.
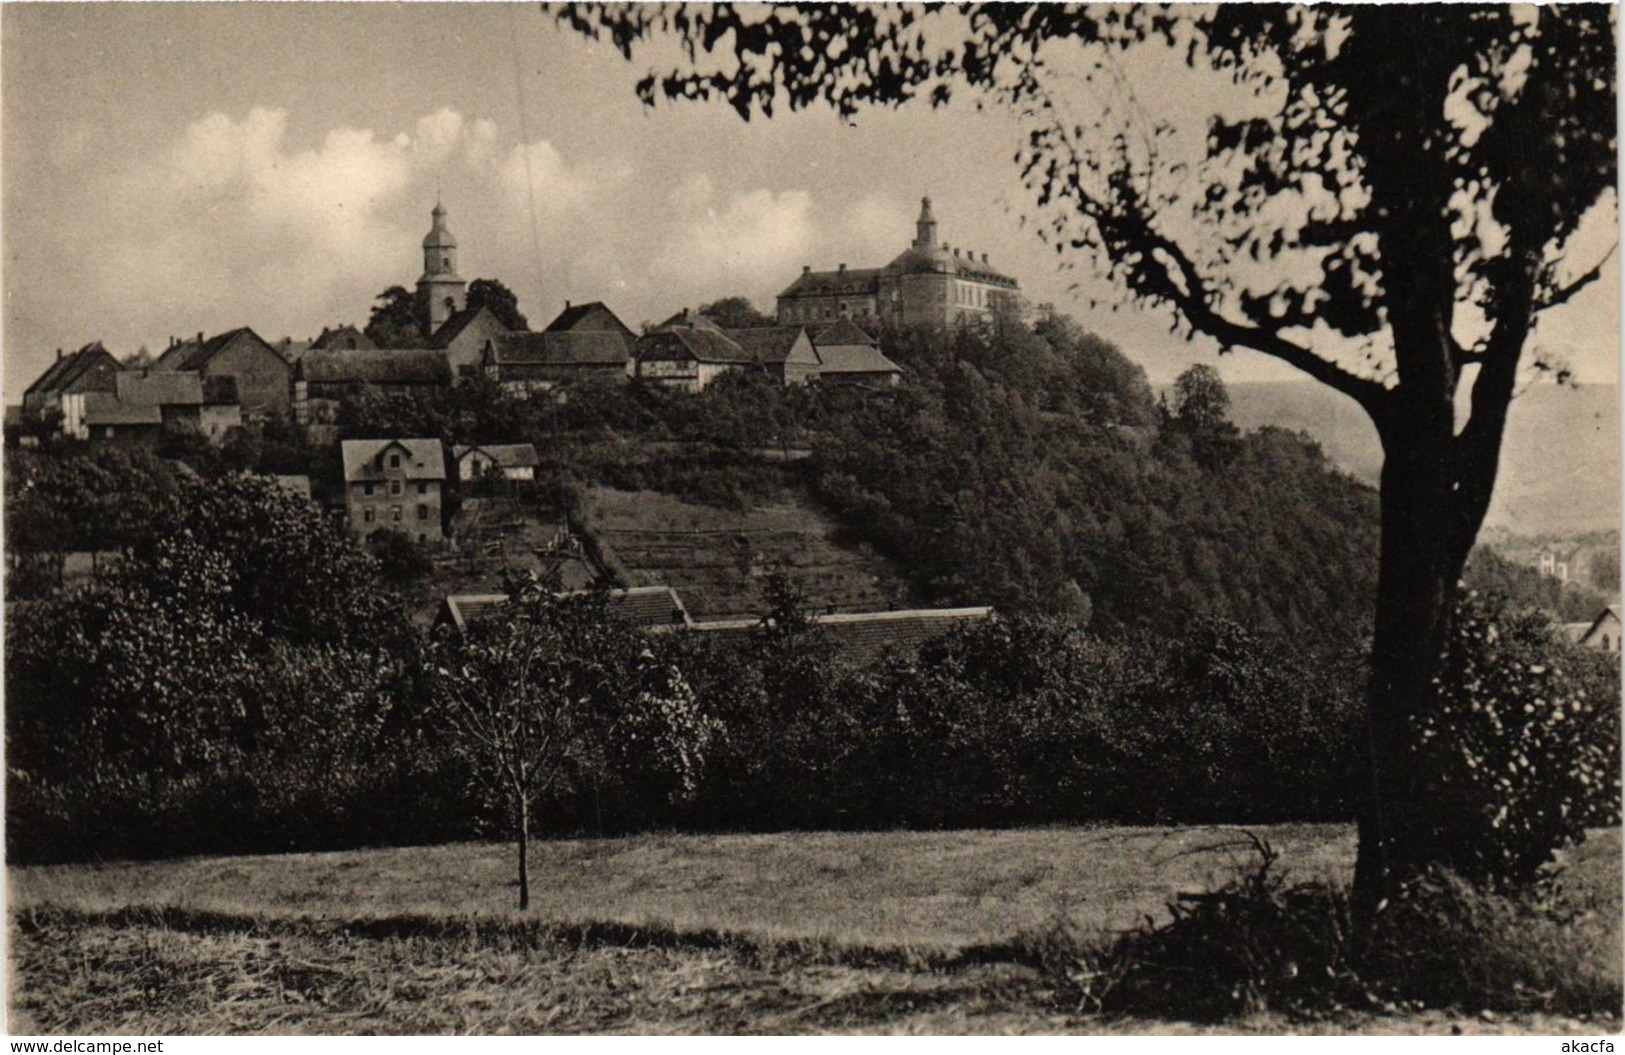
(105, 408)
(364, 459)
(594, 316)
(854, 359)
(842, 331)
(772, 344)
(68, 369)
(194, 355)
(290, 349)
(863, 635)
(506, 455)
(376, 366)
(699, 344)
(648, 606)
(564, 348)
(462, 320)
(688, 320)
(341, 337)
(1607, 615)
(160, 388)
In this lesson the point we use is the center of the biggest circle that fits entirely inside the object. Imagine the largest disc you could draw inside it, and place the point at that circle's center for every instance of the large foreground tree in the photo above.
(1385, 198)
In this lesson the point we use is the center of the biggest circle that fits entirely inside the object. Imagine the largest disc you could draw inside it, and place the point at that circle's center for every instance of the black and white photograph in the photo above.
(673, 519)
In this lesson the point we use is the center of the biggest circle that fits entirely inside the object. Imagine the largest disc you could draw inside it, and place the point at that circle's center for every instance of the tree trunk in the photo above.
(524, 853)
(1421, 562)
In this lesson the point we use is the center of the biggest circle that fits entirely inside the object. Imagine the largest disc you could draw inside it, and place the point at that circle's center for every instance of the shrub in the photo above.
(1519, 749)
(1260, 944)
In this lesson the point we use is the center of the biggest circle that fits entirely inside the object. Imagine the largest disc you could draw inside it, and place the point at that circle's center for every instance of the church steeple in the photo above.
(441, 291)
(925, 228)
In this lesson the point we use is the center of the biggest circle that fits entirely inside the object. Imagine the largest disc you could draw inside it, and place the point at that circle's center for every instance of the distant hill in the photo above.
(1560, 467)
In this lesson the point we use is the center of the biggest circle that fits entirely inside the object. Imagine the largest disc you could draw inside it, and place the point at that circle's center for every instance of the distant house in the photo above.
(847, 355)
(260, 374)
(90, 369)
(644, 606)
(786, 352)
(688, 352)
(515, 461)
(395, 484)
(1602, 633)
(464, 337)
(145, 404)
(323, 378)
(585, 341)
(341, 338)
(862, 636)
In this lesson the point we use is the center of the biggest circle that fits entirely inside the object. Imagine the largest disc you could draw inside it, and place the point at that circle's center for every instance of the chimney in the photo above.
(984, 258)
(200, 336)
(59, 355)
(567, 304)
(956, 252)
(843, 269)
(806, 269)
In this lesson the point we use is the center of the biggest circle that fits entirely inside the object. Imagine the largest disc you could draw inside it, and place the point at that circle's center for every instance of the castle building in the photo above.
(929, 283)
(441, 291)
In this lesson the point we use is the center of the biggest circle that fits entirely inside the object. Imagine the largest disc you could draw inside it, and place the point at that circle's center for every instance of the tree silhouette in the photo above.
(1390, 212)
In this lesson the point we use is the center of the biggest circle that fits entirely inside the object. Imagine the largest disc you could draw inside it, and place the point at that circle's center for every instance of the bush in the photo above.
(1259, 944)
(1521, 750)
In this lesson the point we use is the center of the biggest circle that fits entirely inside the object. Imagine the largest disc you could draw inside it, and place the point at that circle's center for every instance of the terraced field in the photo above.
(716, 558)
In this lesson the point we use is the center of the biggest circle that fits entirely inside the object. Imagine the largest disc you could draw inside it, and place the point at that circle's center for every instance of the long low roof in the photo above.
(377, 366)
(647, 606)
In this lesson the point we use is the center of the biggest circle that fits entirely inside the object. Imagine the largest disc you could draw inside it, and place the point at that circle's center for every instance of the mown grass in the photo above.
(927, 933)
(926, 889)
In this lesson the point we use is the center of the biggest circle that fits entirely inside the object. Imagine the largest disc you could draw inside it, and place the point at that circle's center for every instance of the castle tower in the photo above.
(925, 228)
(441, 291)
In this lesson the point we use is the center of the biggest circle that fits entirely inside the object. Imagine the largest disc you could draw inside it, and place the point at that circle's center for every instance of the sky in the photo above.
(175, 168)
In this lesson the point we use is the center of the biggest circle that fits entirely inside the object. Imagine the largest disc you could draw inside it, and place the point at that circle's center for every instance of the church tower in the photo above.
(441, 291)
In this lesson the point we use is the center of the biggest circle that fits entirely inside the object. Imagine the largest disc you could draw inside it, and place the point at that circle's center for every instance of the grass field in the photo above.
(893, 932)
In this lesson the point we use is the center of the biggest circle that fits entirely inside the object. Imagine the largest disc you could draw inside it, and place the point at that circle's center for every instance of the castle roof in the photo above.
(833, 283)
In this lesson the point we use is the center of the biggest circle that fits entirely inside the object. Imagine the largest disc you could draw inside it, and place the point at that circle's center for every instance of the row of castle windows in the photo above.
(972, 296)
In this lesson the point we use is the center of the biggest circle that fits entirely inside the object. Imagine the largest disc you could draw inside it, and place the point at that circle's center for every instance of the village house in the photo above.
(643, 606)
(862, 636)
(512, 461)
(90, 369)
(339, 338)
(847, 355)
(322, 379)
(260, 374)
(394, 484)
(785, 352)
(464, 337)
(585, 341)
(1601, 633)
(929, 283)
(146, 405)
(688, 352)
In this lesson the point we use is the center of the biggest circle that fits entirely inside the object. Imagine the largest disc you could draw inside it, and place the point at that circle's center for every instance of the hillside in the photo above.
(715, 557)
(1560, 472)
